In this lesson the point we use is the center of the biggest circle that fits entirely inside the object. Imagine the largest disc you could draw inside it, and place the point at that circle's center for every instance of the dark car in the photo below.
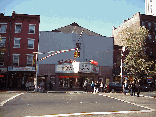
(145, 88)
(114, 86)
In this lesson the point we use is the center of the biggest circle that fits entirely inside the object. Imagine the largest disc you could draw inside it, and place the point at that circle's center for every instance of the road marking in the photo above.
(131, 102)
(94, 113)
(151, 97)
(102, 113)
(2, 103)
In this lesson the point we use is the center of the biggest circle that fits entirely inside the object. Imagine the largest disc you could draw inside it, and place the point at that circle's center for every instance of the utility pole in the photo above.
(123, 49)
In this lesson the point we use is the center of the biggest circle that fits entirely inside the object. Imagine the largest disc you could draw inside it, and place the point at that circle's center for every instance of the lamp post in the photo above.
(35, 82)
(123, 49)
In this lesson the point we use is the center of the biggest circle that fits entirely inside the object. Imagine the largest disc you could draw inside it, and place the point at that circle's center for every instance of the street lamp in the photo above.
(36, 71)
(123, 49)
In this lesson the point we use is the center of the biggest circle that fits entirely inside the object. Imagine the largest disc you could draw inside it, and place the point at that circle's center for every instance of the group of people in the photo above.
(94, 86)
(132, 86)
(41, 86)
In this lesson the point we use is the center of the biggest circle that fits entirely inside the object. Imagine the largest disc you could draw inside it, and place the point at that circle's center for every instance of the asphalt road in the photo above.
(33, 104)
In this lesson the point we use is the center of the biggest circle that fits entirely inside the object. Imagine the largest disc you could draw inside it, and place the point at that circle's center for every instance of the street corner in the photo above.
(5, 97)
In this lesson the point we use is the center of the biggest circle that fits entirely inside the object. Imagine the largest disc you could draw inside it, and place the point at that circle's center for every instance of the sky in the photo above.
(98, 16)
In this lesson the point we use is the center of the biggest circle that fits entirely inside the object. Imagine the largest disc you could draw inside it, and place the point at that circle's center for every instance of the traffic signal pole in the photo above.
(36, 72)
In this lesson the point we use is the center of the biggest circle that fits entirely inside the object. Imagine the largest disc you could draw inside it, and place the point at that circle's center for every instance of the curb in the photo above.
(3, 102)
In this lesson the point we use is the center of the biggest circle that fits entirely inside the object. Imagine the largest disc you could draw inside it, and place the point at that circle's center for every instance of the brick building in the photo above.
(20, 36)
(135, 22)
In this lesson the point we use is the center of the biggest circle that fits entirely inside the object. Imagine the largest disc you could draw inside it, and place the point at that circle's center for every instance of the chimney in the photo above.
(13, 14)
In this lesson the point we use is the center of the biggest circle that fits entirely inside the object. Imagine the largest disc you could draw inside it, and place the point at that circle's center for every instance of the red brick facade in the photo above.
(21, 35)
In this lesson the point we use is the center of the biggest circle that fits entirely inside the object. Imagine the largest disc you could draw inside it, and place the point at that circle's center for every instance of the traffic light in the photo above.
(78, 54)
(75, 54)
(34, 61)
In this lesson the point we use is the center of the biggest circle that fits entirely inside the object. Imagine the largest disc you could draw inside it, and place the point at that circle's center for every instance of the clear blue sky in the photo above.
(96, 15)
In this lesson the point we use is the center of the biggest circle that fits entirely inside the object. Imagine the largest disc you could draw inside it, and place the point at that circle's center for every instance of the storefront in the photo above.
(18, 76)
(74, 80)
(3, 78)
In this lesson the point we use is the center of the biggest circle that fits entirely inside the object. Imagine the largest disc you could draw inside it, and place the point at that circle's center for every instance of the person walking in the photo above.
(98, 85)
(138, 88)
(92, 86)
(50, 85)
(42, 86)
(125, 87)
(95, 87)
(133, 88)
(27, 86)
(101, 86)
(85, 85)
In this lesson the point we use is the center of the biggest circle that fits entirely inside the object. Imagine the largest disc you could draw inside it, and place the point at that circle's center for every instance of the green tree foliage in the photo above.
(136, 62)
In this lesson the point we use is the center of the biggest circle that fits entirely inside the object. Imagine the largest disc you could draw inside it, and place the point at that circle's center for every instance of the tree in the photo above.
(136, 62)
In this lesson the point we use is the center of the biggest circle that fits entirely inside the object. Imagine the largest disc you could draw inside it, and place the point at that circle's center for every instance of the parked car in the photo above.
(144, 88)
(113, 86)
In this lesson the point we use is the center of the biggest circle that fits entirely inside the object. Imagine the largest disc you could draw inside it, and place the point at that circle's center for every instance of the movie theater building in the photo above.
(62, 68)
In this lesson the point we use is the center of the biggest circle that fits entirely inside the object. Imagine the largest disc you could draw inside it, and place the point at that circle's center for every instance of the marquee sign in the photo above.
(75, 67)
(64, 68)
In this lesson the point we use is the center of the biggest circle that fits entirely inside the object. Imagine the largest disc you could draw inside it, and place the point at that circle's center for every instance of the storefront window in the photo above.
(70, 82)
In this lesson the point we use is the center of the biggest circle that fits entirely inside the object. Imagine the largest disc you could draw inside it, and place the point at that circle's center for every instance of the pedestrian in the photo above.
(138, 88)
(71, 84)
(125, 87)
(133, 88)
(85, 85)
(97, 87)
(27, 86)
(101, 86)
(42, 86)
(92, 86)
(50, 85)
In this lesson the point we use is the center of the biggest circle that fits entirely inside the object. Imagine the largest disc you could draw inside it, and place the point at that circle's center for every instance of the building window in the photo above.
(2, 43)
(3, 27)
(30, 43)
(149, 25)
(17, 42)
(31, 28)
(78, 45)
(16, 60)
(18, 27)
(143, 23)
(29, 60)
(1, 58)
